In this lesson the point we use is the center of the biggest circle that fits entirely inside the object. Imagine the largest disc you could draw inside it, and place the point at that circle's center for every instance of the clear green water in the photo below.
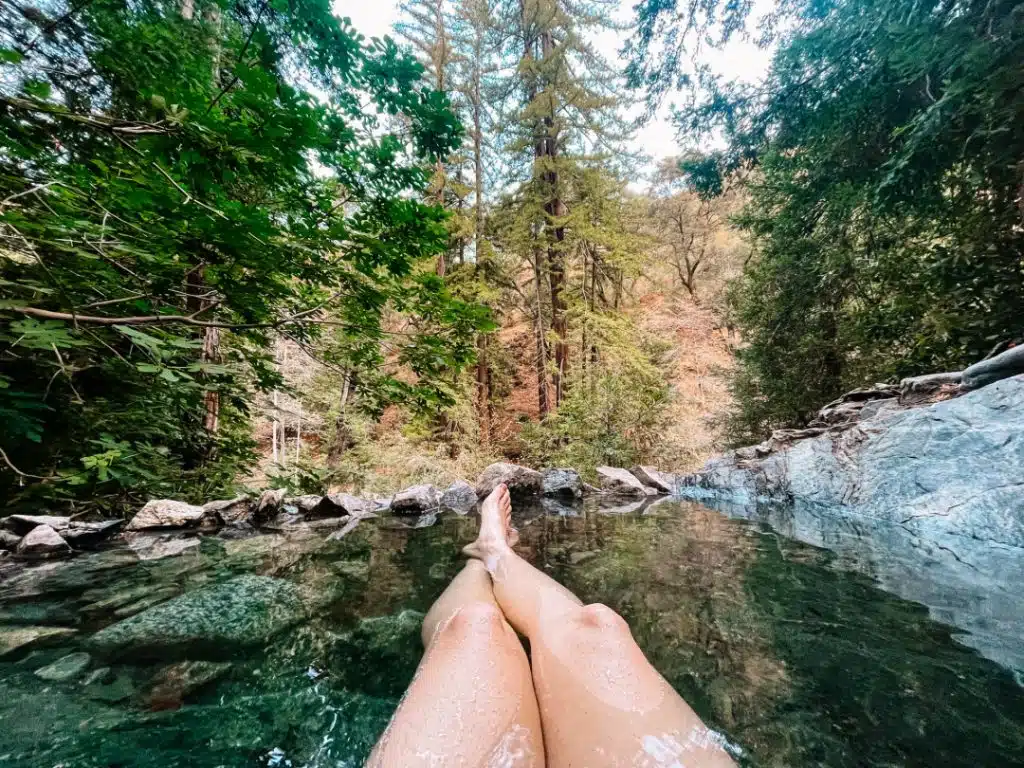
(793, 651)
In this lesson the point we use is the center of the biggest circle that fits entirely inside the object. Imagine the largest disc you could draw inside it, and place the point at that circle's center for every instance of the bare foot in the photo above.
(496, 532)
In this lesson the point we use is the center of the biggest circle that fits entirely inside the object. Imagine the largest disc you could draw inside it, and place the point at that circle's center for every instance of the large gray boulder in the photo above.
(460, 496)
(948, 469)
(562, 482)
(230, 511)
(22, 524)
(23, 638)
(521, 481)
(166, 513)
(621, 482)
(216, 620)
(417, 499)
(42, 542)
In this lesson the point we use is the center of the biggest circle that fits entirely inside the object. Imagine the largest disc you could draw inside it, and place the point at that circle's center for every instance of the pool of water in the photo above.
(806, 639)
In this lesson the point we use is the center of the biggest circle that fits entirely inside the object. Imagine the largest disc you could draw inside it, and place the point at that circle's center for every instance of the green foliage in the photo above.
(175, 188)
(883, 159)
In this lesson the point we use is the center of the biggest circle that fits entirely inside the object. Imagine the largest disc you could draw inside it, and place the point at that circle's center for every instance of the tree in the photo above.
(167, 170)
(885, 147)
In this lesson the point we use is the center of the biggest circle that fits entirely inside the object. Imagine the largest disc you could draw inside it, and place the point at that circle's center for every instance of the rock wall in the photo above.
(942, 470)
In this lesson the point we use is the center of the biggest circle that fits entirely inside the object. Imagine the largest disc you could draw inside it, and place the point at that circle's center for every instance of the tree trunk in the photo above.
(342, 435)
(543, 404)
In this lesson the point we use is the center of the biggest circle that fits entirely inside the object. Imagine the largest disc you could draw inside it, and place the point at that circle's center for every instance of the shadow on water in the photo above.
(793, 650)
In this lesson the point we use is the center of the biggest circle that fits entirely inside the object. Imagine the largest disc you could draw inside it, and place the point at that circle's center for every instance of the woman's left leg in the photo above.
(471, 702)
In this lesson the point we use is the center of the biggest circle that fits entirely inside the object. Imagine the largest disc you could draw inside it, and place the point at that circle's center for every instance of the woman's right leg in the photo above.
(601, 702)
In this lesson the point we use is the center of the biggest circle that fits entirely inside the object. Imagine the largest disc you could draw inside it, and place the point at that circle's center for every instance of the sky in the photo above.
(740, 59)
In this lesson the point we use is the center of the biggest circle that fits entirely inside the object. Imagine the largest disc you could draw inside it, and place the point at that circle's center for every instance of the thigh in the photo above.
(471, 702)
(603, 704)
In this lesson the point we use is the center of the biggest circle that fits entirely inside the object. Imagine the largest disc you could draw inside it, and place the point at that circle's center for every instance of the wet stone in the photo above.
(418, 498)
(23, 638)
(217, 619)
(172, 684)
(562, 482)
(65, 668)
(22, 524)
(460, 497)
(521, 481)
(42, 542)
(166, 513)
(621, 482)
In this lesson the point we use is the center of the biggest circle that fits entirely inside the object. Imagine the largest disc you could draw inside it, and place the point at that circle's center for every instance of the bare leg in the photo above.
(601, 702)
(471, 703)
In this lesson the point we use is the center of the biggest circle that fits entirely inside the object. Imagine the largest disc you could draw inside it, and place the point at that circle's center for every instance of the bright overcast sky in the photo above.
(374, 18)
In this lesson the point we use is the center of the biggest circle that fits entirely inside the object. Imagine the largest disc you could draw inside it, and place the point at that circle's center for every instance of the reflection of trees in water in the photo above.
(678, 581)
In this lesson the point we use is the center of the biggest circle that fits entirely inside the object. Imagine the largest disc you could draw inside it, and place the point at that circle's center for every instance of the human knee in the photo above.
(599, 616)
(475, 620)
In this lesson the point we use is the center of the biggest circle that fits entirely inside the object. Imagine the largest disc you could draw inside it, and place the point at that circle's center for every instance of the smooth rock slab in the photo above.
(65, 668)
(460, 496)
(215, 620)
(621, 482)
(521, 481)
(43, 542)
(166, 513)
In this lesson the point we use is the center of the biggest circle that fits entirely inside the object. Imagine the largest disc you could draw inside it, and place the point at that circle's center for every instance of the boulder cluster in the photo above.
(151, 532)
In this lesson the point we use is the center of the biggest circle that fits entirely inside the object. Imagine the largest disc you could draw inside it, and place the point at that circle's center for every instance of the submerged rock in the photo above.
(621, 482)
(948, 469)
(155, 546)
(215, 620)
(562, 482)
(22, 638)
(65, 668)
(42, 542)
(418, 498)
(380, 655)
(172, 684)
(166, 513)
(521, 481)
(460, 496)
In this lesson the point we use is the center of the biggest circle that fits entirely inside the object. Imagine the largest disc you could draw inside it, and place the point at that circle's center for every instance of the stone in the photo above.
(562, 482)
(417, 499)
(459, 497)
(947, 472)
(356, 570)
(23, 638)
(652, 478)
(219, 619)
(521, 481)
(22, 524)
(9, 540)
(269, 504)
(380, 655)
(621, 482)
(230, 511)
(150, 546)
(559, 506)
(99, 676)
(306, 503)
(173, 683)
(166, 513)
(981, 374)
(334, 504)
(82, 535)
(65, 668)
(42, 542)
(581, 557)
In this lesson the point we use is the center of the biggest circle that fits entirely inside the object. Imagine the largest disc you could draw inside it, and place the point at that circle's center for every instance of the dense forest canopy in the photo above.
(453, 220)
(884, 159)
